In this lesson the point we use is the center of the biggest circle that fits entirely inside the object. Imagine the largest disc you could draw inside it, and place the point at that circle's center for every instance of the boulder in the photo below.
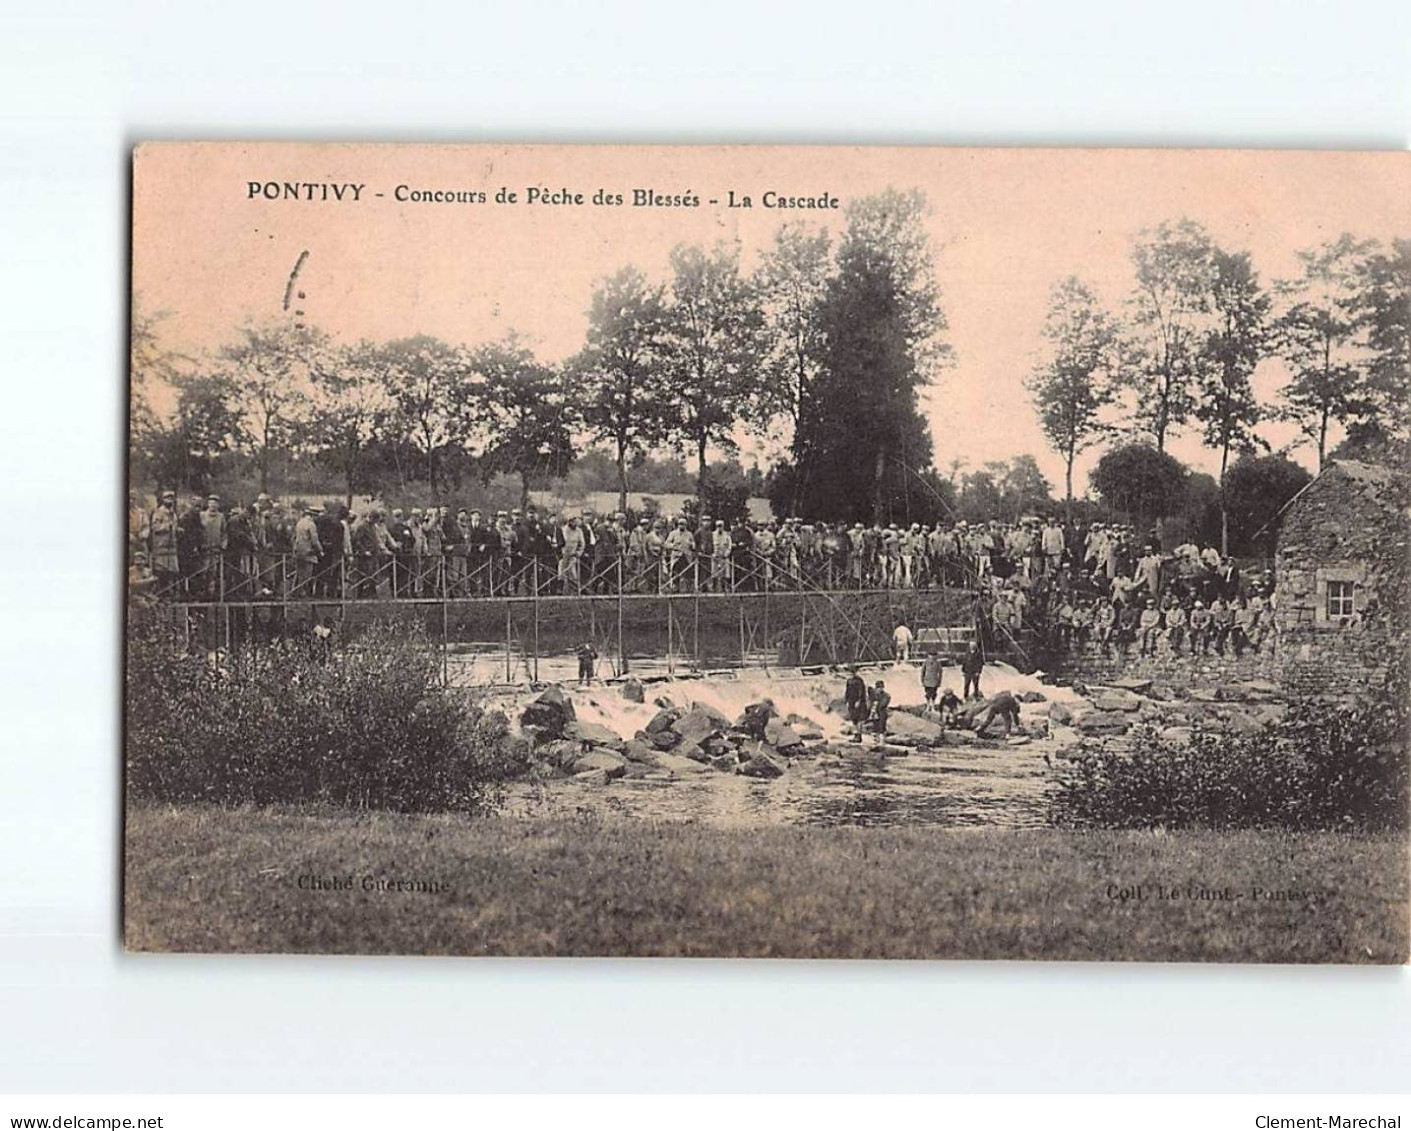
(1103, 722)
(781, 735)
(763, 765)
(681, 767)
(692, 751)
(662, 720)
(636, 750)
(725, 763)
(1060, 712)
(562, 752)
(662, 739)
(1241, 722)
(551, 712)
(595, 733)
(1256, 689)
(1133, 683)
(902, 725)
(534, 734)
(1161, 692)
(1202, 695)
(838, 707)
(1018, 740)
(1117, 703)
(632, 690)
(637, 771)
(1176, 735)
(593, 777)
(1032, 696)
(699, 724)
(600, 758)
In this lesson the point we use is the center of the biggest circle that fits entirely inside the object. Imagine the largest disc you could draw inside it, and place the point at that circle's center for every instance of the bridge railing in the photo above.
(240, 577)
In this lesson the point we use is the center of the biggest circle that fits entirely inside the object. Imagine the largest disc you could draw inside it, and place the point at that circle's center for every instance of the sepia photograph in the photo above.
(769, 552)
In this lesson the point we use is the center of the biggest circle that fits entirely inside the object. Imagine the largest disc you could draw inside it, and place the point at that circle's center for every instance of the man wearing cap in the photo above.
(720, 547)
(212, 546)
(403, 553)
(680, 548)
(570, 560)
(161, 545)
(307, 551)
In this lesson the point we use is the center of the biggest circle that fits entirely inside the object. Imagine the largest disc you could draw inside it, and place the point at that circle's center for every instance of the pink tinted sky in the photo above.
(1006, 224)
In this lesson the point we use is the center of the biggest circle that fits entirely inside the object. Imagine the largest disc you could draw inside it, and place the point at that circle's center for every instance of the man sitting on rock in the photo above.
(1003, 705)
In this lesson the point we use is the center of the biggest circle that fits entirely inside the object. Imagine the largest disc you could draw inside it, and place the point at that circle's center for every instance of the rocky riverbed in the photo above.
(756, 748)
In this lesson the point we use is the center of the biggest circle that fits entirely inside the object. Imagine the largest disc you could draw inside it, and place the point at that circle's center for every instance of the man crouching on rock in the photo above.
(1003, 705)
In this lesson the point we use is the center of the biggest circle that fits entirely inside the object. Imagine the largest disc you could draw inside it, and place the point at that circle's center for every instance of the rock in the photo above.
(1133, 683)
(534, 734)
(699, 724)
(595, 733)
(1103, 722)
(551, 711)
(1060, 712)
(692, 751)
(1117, 703)
(763, 765)
(838, 707)
(1161, 692)
(600, 758)
(1178, 735)
(681, 767)
(1257, 689)
(725, 763)
(781, 735)
(662, 739)
(902, 725)
(1018, 740)
(1202, 695)
(562, 752)
(894, 750)
(1032, 697)
(662, 720)
(1241, 722)
(637, 750)
(632, 690)
(593, 777)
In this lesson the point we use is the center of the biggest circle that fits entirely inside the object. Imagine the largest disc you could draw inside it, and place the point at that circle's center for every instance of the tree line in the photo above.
(1182, 348)
(826, 344)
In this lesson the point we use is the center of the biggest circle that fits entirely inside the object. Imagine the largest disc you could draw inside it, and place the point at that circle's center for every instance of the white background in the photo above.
(80, 81)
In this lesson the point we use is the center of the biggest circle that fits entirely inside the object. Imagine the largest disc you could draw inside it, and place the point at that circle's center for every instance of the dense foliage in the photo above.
(1321, 767)
(365, 725)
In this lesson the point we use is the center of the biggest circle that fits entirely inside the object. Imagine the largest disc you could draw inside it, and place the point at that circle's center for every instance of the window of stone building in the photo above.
(1339, 599)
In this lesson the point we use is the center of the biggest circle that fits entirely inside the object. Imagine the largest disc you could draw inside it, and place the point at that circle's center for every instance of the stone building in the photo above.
(1341, 602)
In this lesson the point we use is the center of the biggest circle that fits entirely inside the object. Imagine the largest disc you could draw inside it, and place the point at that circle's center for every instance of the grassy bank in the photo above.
(203, 879)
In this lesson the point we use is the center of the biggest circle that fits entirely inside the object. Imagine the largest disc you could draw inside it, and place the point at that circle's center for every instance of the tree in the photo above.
(1226, 404)
(792, 278)
(1384, 304)
(1074, 383)
(205, 431)
(1141, 482)
(1256, 489)
(269, 367)
(621, 373)
(1175, 273)
(151, 365)
(433, 399)
(715, 350)
(1023, 487)
(861, 448)
(1318, 339)
(347, 406)
(532, 415)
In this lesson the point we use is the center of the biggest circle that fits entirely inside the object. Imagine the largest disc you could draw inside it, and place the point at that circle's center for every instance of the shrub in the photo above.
(292, 721)
(1321, 767)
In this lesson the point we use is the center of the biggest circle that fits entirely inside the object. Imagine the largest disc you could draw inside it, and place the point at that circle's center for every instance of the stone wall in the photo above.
(1089, 665)
(1348, 529)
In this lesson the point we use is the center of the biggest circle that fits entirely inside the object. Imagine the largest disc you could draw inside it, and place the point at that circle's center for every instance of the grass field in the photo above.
(203, 879)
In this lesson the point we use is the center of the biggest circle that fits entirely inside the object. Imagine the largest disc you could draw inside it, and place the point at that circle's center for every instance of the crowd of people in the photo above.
(1070, 585)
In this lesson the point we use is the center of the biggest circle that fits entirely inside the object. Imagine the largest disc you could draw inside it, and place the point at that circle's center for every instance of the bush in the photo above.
(1321, 767)
(365, 725)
